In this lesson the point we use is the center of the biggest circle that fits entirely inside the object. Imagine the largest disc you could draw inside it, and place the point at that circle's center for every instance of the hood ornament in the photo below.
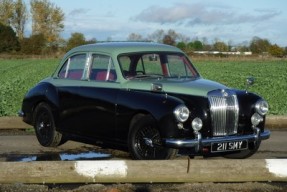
(224, 93)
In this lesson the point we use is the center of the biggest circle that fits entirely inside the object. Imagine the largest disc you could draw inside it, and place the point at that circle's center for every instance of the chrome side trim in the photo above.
(197, 142)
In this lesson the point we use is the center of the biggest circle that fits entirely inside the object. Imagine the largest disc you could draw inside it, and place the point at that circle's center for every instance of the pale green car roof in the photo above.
(116, 48)
(194, 86)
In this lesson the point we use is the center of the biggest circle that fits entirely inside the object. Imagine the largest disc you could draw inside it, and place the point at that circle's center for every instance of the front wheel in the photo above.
(145, 143)
(44, 125)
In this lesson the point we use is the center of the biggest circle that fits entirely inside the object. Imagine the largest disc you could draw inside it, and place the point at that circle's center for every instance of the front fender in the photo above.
(159, 105)
(247, 103)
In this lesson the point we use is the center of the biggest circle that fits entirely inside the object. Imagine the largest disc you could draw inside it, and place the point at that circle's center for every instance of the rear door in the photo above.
(88, 100)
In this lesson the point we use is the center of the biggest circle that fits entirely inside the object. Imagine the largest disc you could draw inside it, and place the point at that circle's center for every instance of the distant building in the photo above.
(223, 52)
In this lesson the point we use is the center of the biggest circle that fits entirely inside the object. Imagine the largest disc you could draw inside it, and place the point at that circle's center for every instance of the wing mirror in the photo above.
(153, 57)
(249, 81)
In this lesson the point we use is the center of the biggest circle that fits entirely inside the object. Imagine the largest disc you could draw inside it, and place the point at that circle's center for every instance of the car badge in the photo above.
(224, 93)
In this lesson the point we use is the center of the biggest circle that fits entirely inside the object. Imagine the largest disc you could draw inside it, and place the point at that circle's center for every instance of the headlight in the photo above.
(261, 107)
(196, 124)
(256, 119)
(181, 113)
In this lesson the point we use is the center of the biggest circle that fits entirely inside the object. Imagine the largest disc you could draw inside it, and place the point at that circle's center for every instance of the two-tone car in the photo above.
(146, 98)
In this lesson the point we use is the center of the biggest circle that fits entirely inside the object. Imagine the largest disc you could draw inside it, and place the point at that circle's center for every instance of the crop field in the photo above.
(17, 76)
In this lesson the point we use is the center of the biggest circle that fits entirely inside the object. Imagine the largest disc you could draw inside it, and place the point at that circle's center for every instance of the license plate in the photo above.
(229, 146)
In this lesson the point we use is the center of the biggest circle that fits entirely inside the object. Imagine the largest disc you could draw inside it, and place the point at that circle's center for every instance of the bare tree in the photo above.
(47, 19)
(183, 38)
(157, 36)
(135, 37)
(169, 40)
(19, 19)
(173, 34)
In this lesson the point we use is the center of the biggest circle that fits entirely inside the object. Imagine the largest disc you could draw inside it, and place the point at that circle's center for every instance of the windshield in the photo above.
(155, 65)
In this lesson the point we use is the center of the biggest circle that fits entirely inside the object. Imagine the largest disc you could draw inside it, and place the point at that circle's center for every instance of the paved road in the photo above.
(13, 147)
(275, 147)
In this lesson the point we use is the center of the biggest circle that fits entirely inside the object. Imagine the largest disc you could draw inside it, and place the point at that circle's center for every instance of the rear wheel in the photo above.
(144, 141)
(44, 125)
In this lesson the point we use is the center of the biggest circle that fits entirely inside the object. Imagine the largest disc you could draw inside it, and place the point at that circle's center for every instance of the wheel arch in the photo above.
(43, 93)
(136, 117)
(166, 126)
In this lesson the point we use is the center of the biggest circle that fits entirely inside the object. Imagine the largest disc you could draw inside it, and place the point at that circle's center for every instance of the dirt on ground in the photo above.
(190, 187)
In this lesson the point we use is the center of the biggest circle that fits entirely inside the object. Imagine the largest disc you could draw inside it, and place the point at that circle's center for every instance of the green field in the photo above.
(17, 76)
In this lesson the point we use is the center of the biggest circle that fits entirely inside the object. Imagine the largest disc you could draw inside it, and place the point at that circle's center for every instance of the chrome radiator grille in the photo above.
(224, 112)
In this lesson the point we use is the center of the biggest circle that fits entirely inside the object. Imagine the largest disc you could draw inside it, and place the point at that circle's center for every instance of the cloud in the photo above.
(78, 12)
(201, 14)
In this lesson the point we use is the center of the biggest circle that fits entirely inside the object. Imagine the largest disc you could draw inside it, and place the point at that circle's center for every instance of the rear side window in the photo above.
(102, 68)
(73, 67)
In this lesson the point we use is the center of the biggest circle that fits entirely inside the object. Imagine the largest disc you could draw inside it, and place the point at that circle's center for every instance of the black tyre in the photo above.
(244, 154)
(144, 141)
(44, 125)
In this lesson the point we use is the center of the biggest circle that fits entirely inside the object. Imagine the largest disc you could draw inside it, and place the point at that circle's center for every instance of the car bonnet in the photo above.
(198, 87)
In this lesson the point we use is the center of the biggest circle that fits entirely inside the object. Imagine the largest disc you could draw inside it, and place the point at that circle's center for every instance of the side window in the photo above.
(102, 68)
(151, 64)
(73, 68)
(177, 66)
(125, 63)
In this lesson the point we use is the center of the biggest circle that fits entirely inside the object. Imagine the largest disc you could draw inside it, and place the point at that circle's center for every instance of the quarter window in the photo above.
(73, 68)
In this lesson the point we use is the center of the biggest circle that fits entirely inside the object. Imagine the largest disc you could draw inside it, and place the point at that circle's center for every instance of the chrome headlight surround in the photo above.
(261, 107)
(181, 113)
(256, 119)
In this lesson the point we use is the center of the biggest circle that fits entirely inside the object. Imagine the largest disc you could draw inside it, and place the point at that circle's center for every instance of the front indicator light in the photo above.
(196, 124)
(256, 119)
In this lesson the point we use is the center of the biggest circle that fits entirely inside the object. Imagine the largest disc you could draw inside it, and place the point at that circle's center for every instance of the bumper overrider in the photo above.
(198, 143)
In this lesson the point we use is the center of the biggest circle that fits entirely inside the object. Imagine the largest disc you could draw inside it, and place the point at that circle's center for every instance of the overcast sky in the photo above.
(236, 21)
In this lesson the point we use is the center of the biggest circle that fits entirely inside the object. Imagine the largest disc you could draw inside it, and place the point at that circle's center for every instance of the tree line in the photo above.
(257, 45)
(48, 23)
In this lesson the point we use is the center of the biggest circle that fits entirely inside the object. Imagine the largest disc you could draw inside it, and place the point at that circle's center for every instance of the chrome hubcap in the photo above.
(148, 142)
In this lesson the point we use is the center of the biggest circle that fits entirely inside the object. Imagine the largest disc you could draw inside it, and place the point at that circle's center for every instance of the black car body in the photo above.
(147, 98)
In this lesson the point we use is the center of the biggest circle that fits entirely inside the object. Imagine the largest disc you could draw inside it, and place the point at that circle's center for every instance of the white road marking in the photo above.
(277, 167)
(101, 168)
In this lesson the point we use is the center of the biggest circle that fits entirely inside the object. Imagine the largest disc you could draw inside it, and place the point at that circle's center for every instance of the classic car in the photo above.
(146, 98)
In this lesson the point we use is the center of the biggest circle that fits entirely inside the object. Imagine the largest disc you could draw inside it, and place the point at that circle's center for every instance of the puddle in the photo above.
(89, 155)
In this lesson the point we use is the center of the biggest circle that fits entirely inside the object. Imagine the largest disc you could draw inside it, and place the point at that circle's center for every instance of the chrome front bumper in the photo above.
(198, 142)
